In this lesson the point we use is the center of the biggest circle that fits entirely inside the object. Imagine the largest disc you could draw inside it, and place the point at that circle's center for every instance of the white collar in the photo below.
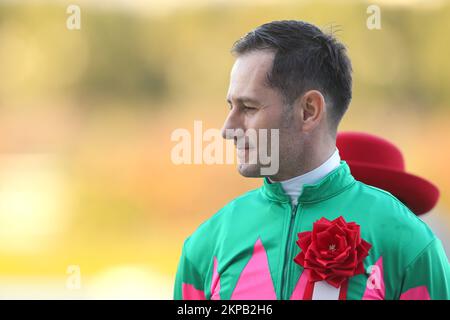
(293, 187)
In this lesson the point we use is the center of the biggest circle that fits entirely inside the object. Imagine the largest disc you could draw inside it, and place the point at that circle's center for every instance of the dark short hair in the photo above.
(305, 58)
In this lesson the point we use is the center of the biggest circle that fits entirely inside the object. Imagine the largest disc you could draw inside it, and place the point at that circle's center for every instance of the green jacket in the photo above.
(247, 249)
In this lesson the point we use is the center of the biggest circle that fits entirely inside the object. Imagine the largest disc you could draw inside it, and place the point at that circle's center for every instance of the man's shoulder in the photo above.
(223, 213)
(206, 234)
(385, 203)
(392, 218)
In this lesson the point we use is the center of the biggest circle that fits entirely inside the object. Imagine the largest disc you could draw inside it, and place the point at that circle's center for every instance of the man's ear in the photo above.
(312, 109)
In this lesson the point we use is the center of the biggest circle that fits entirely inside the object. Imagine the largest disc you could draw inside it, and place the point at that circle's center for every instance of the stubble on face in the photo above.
(249, 79)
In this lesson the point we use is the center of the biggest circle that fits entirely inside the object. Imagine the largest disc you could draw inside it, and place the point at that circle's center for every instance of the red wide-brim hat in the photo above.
(378, 162)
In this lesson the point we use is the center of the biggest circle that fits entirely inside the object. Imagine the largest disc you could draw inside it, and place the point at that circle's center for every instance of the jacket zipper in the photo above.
(287, 254)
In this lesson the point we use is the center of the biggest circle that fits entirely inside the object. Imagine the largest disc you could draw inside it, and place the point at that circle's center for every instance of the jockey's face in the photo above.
(255, 105)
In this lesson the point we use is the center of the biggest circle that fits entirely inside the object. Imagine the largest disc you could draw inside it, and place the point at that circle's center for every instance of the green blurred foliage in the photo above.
(184, 54)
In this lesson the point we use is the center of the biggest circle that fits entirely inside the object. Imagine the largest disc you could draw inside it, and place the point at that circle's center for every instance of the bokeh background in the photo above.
(86, 116)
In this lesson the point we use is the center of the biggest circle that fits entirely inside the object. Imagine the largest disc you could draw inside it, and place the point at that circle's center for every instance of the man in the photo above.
(311, 231)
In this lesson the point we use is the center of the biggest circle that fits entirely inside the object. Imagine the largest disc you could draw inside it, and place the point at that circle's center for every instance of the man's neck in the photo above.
(294, 186)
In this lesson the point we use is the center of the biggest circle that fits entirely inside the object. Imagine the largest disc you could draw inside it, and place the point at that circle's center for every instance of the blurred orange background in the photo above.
(86, 178)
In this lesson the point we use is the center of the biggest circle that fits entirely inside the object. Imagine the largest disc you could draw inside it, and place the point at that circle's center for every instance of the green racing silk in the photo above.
(246, 250)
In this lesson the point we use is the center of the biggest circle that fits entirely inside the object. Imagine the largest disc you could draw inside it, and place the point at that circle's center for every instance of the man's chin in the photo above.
(249, 170)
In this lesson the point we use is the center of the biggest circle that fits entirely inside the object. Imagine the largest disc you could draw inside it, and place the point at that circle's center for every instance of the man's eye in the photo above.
(249, 108)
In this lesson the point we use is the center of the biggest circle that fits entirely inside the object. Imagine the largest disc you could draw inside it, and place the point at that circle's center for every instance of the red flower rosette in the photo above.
(333, 251)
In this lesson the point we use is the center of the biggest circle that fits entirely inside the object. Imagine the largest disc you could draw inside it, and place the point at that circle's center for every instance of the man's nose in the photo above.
(232, 126)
